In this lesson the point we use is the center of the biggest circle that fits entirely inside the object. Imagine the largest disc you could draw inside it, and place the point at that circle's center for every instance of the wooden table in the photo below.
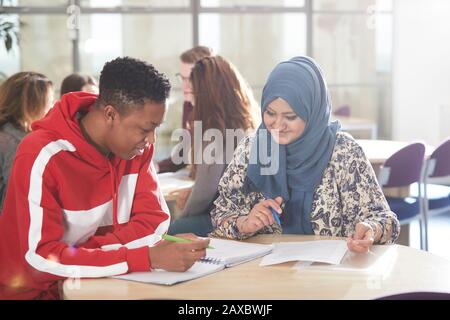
(386, 270)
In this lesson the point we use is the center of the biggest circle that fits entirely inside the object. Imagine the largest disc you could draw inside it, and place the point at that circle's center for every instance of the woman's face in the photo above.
(185, 73)
(50, 99)
(282, 122)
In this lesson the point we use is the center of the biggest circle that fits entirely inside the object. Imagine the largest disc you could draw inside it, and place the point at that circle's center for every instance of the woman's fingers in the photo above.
(266, 215)
(265, 207)
(270, 203)
(359, 246)
(262, 216)
(363, 230)
(362, 239)
(255, 224)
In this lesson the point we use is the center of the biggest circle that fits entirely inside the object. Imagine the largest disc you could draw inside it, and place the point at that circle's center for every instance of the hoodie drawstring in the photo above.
(114, 193)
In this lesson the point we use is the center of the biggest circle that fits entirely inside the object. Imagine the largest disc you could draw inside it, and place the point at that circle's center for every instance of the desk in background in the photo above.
(358, 124)
(378, 151)
(172, 182)
(386, 270)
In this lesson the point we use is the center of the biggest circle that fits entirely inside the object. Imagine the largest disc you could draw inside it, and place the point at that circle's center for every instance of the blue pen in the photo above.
(275, 215)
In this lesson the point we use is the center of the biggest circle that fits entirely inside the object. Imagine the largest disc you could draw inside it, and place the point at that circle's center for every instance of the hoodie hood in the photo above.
(62, 120)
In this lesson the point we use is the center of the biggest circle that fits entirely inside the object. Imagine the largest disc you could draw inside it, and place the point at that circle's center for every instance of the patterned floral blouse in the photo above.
(348, 193)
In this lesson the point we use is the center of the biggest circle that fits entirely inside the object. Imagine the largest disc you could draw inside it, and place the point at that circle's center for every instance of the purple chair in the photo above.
(342, 111)
(425, 295)
(402, 169)
(436, 196)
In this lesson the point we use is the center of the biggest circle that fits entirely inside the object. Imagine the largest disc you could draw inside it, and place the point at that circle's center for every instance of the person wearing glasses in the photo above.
(323, 184)
(187, 62)
(223, 103)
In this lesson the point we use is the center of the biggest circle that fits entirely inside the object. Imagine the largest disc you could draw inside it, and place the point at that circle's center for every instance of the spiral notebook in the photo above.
(226, 253)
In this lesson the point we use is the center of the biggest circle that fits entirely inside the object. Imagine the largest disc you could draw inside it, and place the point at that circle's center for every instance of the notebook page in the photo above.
(158, 276)
(231, 253)
(326, 251)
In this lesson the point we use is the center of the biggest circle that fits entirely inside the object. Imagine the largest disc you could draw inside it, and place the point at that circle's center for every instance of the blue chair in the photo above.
(436, 196)
(402, 169)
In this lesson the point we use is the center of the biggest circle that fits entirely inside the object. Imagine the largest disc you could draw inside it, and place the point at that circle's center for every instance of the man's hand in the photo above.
(175, 256)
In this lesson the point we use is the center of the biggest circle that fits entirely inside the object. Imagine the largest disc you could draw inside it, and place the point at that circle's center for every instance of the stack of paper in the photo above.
(326, 251)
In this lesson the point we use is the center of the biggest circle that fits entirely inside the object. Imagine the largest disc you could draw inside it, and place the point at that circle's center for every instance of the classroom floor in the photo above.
(438, 235)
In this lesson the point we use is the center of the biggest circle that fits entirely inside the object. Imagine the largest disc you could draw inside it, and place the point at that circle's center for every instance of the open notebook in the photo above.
(226, 253)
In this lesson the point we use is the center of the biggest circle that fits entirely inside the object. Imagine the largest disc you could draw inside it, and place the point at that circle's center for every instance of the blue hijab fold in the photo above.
(301, 163)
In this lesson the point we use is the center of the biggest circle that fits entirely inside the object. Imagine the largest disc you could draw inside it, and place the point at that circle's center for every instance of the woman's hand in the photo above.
(260, 216)
(183, 196)
(362, 239)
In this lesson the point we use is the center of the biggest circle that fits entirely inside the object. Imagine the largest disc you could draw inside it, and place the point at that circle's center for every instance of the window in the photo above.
(351, 40)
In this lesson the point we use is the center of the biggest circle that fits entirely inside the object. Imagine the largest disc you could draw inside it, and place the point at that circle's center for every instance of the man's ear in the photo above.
(110, 113)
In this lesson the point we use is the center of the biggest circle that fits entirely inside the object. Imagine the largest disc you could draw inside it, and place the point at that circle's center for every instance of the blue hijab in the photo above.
(301, 163)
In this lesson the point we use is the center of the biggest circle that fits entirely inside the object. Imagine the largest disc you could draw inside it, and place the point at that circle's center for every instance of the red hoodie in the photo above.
(66, 200)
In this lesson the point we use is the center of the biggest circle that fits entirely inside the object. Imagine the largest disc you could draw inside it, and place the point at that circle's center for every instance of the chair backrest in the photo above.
(343, 111)
(425, 295)
(403, 167)
(439, 162)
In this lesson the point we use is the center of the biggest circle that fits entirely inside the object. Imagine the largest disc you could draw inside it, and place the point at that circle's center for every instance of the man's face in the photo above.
(131, 133)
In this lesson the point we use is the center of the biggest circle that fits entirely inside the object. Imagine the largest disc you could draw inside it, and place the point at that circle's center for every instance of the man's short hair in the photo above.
(128, 82)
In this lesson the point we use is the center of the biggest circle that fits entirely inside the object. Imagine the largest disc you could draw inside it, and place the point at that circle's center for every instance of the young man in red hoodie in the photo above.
(83, 198)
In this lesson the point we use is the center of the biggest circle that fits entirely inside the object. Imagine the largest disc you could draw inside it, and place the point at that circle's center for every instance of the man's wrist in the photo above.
(151, 256)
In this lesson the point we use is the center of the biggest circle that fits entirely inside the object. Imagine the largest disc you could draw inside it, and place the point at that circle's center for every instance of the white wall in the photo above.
(421, 70)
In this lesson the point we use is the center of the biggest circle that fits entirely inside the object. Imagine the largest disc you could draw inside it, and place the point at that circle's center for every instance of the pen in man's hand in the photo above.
(178, 239)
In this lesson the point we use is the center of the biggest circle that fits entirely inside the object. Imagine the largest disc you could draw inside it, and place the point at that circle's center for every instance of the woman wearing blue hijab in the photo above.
(300, 168)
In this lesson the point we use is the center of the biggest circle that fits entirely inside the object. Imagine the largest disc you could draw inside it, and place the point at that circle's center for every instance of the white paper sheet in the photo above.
(326, 251)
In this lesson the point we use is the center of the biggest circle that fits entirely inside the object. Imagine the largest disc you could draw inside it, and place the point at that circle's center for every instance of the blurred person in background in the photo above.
(78, 82)
(222, 100)
(187, 62)
(24, 98)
